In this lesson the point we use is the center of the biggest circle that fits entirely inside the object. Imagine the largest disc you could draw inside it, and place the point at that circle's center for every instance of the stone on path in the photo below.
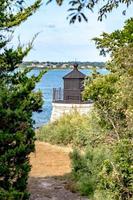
(51, 188)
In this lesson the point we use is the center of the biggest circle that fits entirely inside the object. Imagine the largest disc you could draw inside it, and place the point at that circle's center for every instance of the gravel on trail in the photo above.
(51, 188)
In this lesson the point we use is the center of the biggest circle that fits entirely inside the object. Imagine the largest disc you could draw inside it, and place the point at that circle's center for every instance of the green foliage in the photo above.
(86, 167)
(116, 174)
(78, 8)
(110, 92)
(113, 102)
(68, 131)
(17, 102)
(13, 13)
(104, 172)
(113, 42)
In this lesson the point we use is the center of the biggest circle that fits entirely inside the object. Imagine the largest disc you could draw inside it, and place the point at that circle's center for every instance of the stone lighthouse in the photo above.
(70, 97)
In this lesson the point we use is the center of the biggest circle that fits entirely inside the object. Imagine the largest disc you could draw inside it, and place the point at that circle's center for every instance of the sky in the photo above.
(59, 41)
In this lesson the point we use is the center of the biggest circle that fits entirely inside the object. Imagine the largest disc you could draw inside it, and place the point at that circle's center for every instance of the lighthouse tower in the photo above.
(70, 97)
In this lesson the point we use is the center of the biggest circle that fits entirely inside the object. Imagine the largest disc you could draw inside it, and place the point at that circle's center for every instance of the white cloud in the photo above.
(60, 41)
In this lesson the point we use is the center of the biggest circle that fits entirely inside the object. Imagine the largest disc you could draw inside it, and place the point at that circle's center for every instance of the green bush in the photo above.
(104, 172)
(72, 129)
(116, 174)
(66, 130)
(86, 167)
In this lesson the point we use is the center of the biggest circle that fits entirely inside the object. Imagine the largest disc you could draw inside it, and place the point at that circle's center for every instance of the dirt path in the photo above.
(49, 162)
(51, 189)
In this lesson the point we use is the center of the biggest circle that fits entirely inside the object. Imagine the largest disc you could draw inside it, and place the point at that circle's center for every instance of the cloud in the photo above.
(58, 40)
(51, 26)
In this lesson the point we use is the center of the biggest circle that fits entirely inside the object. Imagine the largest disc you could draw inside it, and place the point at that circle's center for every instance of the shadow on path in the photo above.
(54, 188)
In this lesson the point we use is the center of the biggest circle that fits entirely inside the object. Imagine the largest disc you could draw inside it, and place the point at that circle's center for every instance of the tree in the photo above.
(78, 8)
(17, 102)
(113, 100)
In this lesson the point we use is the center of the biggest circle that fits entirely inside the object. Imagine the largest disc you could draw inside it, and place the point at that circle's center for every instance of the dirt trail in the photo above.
(49, 162)
(51, 188)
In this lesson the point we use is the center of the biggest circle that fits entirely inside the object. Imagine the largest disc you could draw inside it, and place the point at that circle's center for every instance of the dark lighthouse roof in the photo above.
(74, 74)
(73, 87)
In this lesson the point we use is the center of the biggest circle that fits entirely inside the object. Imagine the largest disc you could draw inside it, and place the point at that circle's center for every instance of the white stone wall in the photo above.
(61, 108)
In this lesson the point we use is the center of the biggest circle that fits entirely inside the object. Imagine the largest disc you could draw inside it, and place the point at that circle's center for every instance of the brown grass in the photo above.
(50, 160)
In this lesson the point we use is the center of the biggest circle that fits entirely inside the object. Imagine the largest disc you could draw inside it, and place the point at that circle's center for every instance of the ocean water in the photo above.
(51, 79)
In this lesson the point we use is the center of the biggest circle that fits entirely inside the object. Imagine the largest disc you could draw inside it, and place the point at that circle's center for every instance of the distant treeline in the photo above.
(59, 64)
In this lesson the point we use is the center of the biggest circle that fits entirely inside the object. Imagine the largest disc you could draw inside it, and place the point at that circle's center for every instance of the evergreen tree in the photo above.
(17, 102)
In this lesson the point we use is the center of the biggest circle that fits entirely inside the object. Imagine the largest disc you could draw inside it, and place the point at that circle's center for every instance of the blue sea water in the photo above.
(51, 79)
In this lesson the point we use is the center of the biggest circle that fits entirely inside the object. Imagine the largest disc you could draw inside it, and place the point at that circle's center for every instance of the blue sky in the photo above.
(60, 41)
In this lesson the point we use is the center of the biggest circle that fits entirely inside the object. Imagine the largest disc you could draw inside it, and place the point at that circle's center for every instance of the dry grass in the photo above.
(50, 160)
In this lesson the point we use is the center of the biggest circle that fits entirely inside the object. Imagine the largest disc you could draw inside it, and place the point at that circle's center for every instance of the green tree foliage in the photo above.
(113, 100)
(17, 102)
(110, 91)
(78, 8)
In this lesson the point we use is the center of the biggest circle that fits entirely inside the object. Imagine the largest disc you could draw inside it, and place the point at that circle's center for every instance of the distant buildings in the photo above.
(62, 65)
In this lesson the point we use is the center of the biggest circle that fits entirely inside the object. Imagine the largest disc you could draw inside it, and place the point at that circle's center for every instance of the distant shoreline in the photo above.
(62, 65)
(80, 68)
